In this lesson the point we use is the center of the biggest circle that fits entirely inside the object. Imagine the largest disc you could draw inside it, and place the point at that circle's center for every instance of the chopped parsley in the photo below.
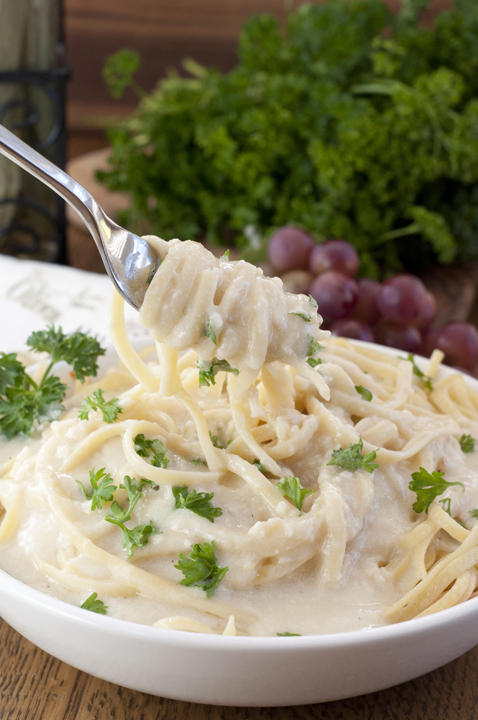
(216, 443)
(139, 535)
(313, 302)
(225, 256)
(351, 458)
(304, 315)
(135, 493)
(102, 488)
(314, 346)
(257, 463)
(200, 568)
(110, 409)
(428, 486)
(198, 461)
(153, 449)
(199, 503)
(292, 489)
(209, 331)
(288, 634)
(364, 392)
(313, 362)
(426, 379)
(467, 443)
(93, 605)
(209, 369)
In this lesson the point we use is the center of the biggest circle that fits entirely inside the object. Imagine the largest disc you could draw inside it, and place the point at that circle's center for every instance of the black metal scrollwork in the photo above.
(24, 235)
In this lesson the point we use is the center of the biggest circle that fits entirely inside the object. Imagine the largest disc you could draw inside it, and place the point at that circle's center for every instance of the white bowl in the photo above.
(239, 671)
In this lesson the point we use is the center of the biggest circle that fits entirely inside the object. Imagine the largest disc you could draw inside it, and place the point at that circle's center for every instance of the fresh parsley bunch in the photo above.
(24, 401)
(350, 121)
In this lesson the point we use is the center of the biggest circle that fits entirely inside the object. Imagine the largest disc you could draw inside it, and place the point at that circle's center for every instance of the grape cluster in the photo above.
(398, 312)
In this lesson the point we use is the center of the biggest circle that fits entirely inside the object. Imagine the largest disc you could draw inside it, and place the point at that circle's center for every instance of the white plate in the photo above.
(239, 671)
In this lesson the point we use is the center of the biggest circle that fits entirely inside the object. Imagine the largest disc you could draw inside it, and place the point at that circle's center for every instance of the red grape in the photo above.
(335, 294)
(403, 337)
(459, 342)
(427, 312)
(289, 249)
(400, 299)
(355, 329)
(334, 255)
(366, 308)
(297, 281)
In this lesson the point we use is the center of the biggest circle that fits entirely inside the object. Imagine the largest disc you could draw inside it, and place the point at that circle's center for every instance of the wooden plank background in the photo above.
(163, 32)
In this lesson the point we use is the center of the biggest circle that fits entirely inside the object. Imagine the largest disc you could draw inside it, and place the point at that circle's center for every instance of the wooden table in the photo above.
(35, 686)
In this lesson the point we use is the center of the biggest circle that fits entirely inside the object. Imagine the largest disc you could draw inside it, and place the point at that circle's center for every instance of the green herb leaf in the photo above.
(209, 370)
(119, 70)
(313, 303)
(216, 443)
(25, 402)
(426, 379)
(314, 346)
(78, 350)
(292, 489)
(314, 362)
(152, 448)
(288, 634)
(109, 409)
(467, 443)
(257, 463)
(200, 568)
(198, 461)
(12, 372)
(97, 606)
(427, 487)
(209, 332)
(351, 458)
(304, 315)
(225, 256)
(102, 488)
(137, 537)
(364, 392)
(199, 503)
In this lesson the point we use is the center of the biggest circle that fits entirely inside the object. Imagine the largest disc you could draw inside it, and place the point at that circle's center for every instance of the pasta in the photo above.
(251, 403)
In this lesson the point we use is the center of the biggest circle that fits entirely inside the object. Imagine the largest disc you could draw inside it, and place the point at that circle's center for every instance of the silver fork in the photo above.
(129, 260)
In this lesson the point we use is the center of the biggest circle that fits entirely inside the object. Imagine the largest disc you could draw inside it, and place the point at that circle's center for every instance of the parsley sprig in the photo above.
(78, 350)
(428, 486)
(139, 535)
(24, 401)
(135, 492)
(153, 449)
(467, 443)
(197, 502)
(292, 489)
(94, 605)
(200, 568)
(102, 488)
(351, 458)
(209, 369)
(110, 409)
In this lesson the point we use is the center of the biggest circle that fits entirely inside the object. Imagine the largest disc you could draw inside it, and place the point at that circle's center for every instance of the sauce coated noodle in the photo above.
(350, 554)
